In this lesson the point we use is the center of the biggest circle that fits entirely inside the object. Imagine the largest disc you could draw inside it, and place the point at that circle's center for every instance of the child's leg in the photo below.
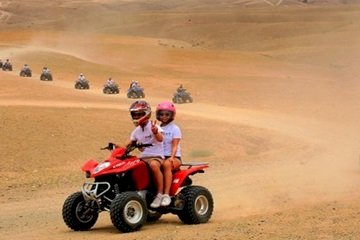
(157, 174)
(168, 166)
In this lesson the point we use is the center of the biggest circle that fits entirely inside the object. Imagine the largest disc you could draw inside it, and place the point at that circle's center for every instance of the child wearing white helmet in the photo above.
(148, 132)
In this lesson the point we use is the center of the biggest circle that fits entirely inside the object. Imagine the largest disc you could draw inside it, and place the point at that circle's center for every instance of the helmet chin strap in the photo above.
(142, 122)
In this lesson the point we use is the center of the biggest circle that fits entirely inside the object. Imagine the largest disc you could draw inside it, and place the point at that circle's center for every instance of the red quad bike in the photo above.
(123, 186)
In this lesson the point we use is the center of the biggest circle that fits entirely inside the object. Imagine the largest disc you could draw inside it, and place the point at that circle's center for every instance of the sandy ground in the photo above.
(275, 112)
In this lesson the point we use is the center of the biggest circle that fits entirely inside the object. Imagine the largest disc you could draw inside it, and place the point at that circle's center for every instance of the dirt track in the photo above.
(275, 114)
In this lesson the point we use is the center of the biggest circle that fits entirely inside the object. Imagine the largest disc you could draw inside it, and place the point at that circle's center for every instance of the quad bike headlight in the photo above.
(101, 167)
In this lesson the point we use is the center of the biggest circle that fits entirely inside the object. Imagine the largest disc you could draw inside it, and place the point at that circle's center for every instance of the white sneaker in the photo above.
(165, 200)
(156, 202)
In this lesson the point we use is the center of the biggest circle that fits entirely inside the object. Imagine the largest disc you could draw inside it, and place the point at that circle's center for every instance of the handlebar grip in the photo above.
(144, 145)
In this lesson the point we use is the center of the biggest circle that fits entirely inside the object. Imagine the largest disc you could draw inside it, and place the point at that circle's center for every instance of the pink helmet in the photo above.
(166, 106)
(140, 112)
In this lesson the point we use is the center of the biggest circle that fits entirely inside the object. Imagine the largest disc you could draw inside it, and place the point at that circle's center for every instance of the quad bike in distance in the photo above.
(7, 66)
(25, 72)
(46, 76)
(182, 97)
(82, 84)
(111, 89)
(135, 92)
(122, 185)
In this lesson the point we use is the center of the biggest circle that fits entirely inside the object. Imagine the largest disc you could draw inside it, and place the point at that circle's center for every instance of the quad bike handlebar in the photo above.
(131, 147)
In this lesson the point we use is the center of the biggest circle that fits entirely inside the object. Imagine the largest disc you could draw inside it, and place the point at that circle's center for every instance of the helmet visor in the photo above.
(137, 114)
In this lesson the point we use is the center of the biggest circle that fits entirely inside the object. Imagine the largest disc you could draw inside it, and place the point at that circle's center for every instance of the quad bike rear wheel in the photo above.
(198, 205)
(46, 77)
(177, 99)
(78, 214)
(128, 211)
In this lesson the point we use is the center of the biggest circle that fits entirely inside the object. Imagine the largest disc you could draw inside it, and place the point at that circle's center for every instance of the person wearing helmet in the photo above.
(7, 63)
(25, 67)
(110, 82)
(132, 84)
(148, 132)
(165, 113)
(181, 89)
(46, 70)
(82, 78)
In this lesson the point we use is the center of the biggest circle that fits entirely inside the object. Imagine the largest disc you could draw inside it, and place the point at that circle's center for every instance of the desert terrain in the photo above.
(275, 114)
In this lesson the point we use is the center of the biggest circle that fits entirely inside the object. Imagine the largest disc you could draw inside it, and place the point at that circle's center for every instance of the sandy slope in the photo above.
(275, 114)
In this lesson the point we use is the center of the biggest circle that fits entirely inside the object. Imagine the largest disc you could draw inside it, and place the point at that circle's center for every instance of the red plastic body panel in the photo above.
(180, 176)
(141, 176)
(89, 165)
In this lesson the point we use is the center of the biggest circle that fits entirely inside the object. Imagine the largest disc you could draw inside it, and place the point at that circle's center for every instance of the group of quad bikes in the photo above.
(26, 71)
(135, 91)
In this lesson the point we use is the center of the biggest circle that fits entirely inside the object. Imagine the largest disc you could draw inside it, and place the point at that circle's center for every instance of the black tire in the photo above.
(22, 74)
(198, 205)
(77, 213)
(179, 99)
(107, 90)
(128, 211)
(45, 77)
(190, 99)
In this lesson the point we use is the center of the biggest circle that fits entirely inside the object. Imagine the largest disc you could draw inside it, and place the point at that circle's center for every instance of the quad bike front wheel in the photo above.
(78, 214)
(198, 205)
(128, 211)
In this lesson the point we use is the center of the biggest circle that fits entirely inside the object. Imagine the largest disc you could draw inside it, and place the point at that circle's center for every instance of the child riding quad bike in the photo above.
(123, 186)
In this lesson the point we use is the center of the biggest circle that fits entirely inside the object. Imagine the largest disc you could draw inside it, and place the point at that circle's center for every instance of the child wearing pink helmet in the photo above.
(165, 113)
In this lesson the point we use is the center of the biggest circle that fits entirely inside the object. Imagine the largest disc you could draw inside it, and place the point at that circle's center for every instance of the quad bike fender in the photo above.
(89, 165)
(180, 176)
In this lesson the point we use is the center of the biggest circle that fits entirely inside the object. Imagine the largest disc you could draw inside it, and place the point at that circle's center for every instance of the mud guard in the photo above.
(89, 165)
(180, 176)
